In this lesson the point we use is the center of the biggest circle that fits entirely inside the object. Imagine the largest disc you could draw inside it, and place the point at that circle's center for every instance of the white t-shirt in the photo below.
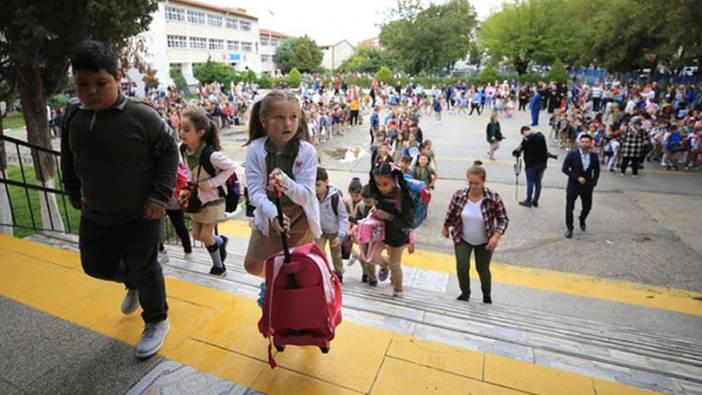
(474, 232)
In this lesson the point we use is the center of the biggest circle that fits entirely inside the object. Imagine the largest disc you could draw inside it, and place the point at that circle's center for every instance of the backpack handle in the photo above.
(290, 277)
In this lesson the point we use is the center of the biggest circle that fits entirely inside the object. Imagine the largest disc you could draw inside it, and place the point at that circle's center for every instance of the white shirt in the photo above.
(474, 232)
(301, 190)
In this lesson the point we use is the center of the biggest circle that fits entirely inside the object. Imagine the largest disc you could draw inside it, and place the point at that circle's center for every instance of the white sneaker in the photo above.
(397, 294)
(152, 339)
(130, 303)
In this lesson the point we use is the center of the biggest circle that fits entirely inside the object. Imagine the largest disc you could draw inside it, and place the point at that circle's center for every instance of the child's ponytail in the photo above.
(202, 122)
(256, 128)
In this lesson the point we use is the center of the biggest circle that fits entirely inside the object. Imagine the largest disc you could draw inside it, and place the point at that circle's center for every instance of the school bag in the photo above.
(302, 304)
(231, 190)
(421, 197)
(370, 230)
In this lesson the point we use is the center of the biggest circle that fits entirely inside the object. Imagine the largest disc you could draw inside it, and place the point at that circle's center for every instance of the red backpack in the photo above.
(302, 304)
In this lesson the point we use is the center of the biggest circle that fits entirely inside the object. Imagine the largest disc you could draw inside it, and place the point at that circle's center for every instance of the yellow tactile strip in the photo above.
(216, 332)
(681, 301)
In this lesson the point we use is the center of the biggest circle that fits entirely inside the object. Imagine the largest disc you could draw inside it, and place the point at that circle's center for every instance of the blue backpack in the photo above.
(421, 198)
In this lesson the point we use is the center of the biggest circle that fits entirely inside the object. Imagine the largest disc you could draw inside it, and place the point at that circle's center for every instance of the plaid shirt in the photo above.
(494, 213)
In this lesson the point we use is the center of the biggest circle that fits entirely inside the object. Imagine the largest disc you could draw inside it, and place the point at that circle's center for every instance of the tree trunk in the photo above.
(33, 101)
(5, 212)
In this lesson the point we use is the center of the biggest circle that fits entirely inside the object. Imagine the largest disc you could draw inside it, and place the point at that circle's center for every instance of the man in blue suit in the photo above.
(583, 170)
(535, 107)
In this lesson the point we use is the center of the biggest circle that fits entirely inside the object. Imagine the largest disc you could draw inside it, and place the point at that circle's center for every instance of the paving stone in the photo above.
(172, 378)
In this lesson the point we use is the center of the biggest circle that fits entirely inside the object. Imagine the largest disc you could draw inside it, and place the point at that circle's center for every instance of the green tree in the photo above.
(302, 53)
(366, 60)
(177, 76)
(488, 75)
(625, 35)
(294, 78)
(533, 31)
(37, 40)
(385, 75)
(432, 39)
(264, 81)
(557, 72)
(211, 71)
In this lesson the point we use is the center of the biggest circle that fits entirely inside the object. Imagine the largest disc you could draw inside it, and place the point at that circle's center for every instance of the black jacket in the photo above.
(117, 160)
(573, 168)
(535, 150)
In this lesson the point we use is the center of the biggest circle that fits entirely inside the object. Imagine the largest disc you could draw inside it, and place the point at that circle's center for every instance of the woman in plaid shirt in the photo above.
(476, 219)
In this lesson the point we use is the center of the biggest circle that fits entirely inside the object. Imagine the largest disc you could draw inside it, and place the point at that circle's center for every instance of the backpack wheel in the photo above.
(280, 348)
(324, 350)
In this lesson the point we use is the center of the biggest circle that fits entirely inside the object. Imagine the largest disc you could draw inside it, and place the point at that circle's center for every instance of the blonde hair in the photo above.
(477, 170)
(262, 108)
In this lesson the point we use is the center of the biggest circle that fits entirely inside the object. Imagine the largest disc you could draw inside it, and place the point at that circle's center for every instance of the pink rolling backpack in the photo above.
(371, 231)
(302, 304)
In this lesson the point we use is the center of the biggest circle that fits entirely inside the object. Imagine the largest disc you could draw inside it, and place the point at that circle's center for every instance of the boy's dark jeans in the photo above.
(127, 253)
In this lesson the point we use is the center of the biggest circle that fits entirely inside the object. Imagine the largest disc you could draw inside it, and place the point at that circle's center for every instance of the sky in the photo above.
(329, 21)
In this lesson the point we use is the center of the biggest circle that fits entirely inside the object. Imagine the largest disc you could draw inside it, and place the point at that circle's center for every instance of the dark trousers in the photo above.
(572, 194)
(474, 107)
(177, 218)
(634, 164)
(535, 117)
(534, 175)
(353, 117)
(482, 262)
(127, 253)
(522, 104)
(596, 104)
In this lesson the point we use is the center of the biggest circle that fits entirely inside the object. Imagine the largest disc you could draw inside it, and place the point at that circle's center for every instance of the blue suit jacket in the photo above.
(573, 168)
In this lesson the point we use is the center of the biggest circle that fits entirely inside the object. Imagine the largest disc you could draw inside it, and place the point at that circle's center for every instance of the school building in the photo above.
(270, 41)
(184, 33)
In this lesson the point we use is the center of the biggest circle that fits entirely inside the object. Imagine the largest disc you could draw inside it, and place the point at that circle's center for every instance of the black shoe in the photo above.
(569, 233)
(223, 248)
(463, 297)
(535, 204)
(373, 283)
(583, 227)
(364, 278)
(525, 203)
(487, 299)
(219, 271)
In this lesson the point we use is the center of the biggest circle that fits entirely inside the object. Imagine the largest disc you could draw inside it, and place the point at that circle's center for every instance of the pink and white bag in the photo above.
(370, 231)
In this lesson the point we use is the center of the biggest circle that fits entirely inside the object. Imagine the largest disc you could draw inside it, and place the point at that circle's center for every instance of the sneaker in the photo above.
(535, 204)
(373, 283)
(152, 339)
(396, 293)
(463, 297)
(487, 299)
(364, 278)
(383, 273)
(130, 303)
(219, 271)
(223, 249)
(525, 203)
(261, 295)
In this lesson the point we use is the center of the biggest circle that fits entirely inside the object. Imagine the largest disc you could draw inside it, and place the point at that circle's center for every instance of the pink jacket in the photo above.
(207, 186)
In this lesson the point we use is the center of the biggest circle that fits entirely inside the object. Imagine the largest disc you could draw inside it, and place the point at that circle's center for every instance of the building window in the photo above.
(196, 17)
(274, 42)
(214, 20)
(175, 14)
(232, 45)
(264, 41)
(177, 41)
(246, 46)
(198, 43)
(267, 58)
(232, 23)
(216, 44)
(245, 26)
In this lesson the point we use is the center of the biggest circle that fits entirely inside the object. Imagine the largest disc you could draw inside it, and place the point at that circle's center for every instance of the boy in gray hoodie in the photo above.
(333, 219)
